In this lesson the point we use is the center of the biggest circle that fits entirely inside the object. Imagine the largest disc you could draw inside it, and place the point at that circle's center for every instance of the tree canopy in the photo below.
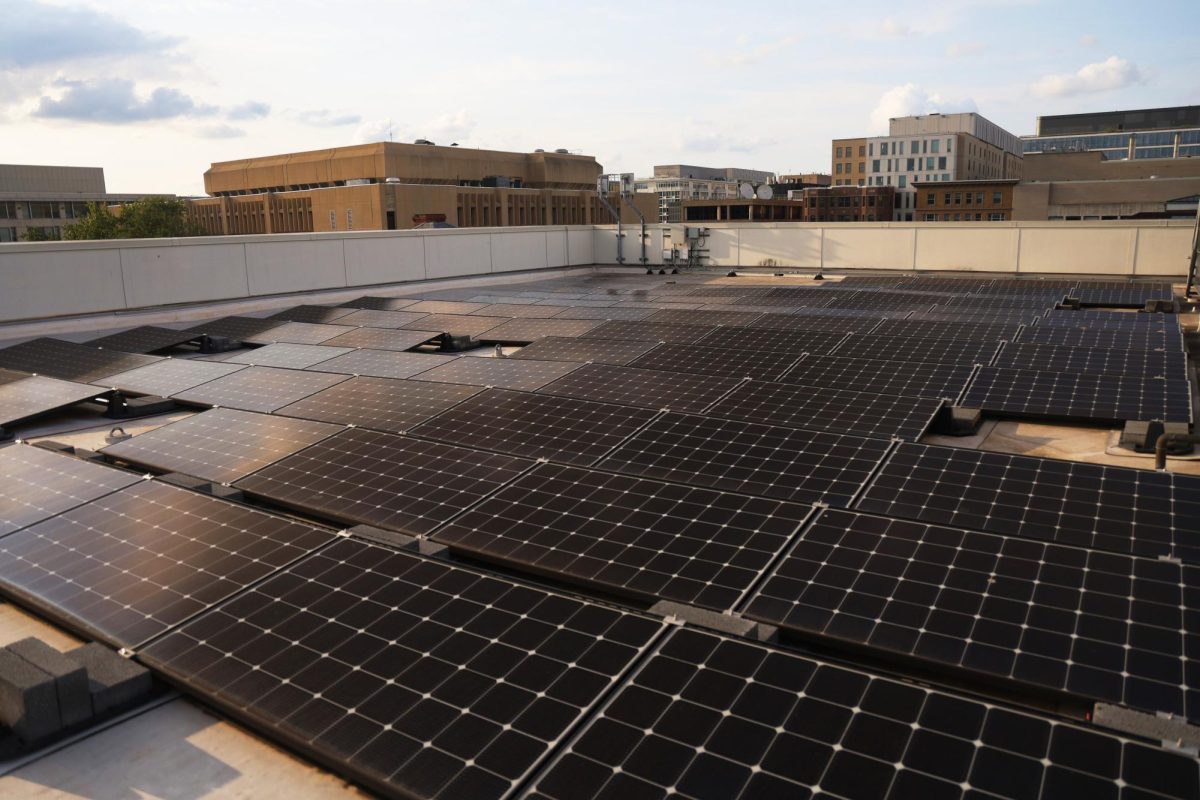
(148, 218)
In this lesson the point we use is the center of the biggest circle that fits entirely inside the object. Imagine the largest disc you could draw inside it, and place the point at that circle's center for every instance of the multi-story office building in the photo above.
(815, 204)
(965, 201)
(849, 162)
(1144, 133)
(676, 184)
(1086, 185)
(40, 200)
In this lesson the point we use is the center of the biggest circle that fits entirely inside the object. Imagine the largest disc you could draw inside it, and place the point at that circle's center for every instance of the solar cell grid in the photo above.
(658, 304)
(1119, 293)
(415, 677)
(220, 445)
(788, 464)
(730, 291)
(298, 333)
(837, 411)
(1071, 395)
(638, 538)
(68, 360)
(382, 363)
(1004, 316)
(947, 330)
(605, 313)
(909, 378)
(393, 482)
(788, 342)
(917, 348)
(525, 374)
(1115, 339)
(133, 564)
(379, 303)
(38, 394)
(446, 307)
(1057, 617)
(697, 317)
(169, 376)
(315, 314)
(290, 356)
(520, 310)
(238, 328)
(1116, 509)
(708, 716)
(648, 331)
(560, 429)
(577, 303)
(383, 338)
(259, 388)
(603, 351)
(522, 331)
(808, 322)
(379, 403)
(1108, 320)
(648, 388)
(36, 484)
(144, 339)
(723, 361)
(1131, 363)
(457, 324)
(381, 318)
(881, 300)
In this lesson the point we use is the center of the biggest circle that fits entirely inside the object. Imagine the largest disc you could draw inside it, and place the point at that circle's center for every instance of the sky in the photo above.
(154, 92)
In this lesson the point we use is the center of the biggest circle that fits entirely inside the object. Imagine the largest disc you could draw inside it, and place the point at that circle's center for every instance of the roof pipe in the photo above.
(1166, 440)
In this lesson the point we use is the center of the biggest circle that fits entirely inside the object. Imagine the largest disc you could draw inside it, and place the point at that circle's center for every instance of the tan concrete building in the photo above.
(965, 201)
(40, 200)
(816, 204)
(807, 179)
(391, 186)
(1086, 185)
(849, 158)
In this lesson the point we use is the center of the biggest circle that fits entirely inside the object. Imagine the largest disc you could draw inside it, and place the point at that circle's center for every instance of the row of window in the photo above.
(849, 151)
(1113, 141)
(995, 216)
(19, 209)
(918, 147)
(957, 198)
(902, 180)
(911, 164)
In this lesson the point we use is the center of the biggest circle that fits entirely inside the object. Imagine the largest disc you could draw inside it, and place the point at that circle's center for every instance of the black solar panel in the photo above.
(1062, 618)
(604, 313)
(911, 378)
(522, 331)
(1121, 294)
(712, 717)
(220, 445)
(238, 328)
(29, 397)
(914, 348)
(812, 322)
(394, 482)
(638, 538)
(561, 429)
(298, 333)
(287, 355)
(381, 318)
(69, 361)
(648, 388)
(820, 409)
(790, 342)
(413, 677)
(947, 330)
(144, 339)
(723, 361)
(457, 324)
(1108, 320)
(8, 376)
(799, 466)
(316, 314)
(648, 331)
(1117, 509)
(130, 565)
(1000, 317)
(1117, 339)
(1130, 363)
(446, 307)
(520, 310)
(379, 303)
(380, 403)
(603, 351)
(169, 376)
(526, 374)
(382, 363)
(1070, 395)
(36, 484)
(263, 389)
(708, 318)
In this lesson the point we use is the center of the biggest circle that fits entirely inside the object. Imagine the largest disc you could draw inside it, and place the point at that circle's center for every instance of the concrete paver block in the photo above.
(70, 679)
(28, 699)
(114, 681)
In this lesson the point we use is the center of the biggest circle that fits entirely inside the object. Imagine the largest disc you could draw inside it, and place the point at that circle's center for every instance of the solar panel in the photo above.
(746, 457)
(658, 304)
(1117, 339)
(629, 536)
(382, 363)
(1131, 363)
(521, 310)
(68, 360)
(379, 303)
(1117, 509)
(133, 564)
(457, 324)
(648, 331)
(909, 378)
(380, 403)
(806, 322)
(29, 397)
(707, 716)
(735, 291)
(648, 388)
(383, 338)
(36, 484)
(8, 376)
(290, 356)
(446, 307)
(1011, 316)
(1108, 320)
(685, 317)
(604, 313)
(885, 301)
(169, 376)
(298, 333)
(263, 389)
(1069, 395)
(560, 429)
(947, 330)
(220, 445)
(723, 361)
(1129, 295)
(144, 339)
(788, 342)
(525, 374)
(411, 676)
(523, 331)
(314, 314)
(1062, 618)
(821, 409)
(239, 328)
(380, 318)
(490, 299)
(393, 482)
(915, 348)
(602, 351)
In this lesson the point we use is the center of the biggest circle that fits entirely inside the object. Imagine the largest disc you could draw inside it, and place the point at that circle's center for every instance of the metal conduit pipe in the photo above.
(1167, 439)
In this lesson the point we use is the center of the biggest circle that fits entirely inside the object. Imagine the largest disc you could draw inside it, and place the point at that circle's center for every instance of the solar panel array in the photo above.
(29, 397)
(730, 447)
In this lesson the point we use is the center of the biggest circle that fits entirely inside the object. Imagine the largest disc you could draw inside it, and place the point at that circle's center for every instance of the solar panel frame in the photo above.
(383, 363)
(312, 313)
(1113, 339)
(914, 348)
(382, 339)
(220, 445)
(1071, 395)
(618, 352)
(381, 318)
(456, 324)
(264, 389)
(1095, 360)
(447, 307)
(379, 303)
(1108, 320)
(805, 322)
(37, 484)
(524, 374)
(30, 397)
(524, 331)
(169, 376)
(383, 404)
(908, 378)
(144, 339)
(646, 388)
(604, 313)
(298, 333)
(392, 706)
(234, 327)
(69, 361)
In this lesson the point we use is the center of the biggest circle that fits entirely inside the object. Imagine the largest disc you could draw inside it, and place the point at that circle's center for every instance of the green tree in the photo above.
(148, 218)
(98, 223)
(37, 235)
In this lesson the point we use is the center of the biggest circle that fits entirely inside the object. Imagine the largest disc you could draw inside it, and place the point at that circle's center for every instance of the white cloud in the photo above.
(964, 49)
(114, 101)
(699, 136)
(324, 118)
(447, 128)
(746, 55)
(911, 99)
(40, 33)
(1102, 76)
(251, 109)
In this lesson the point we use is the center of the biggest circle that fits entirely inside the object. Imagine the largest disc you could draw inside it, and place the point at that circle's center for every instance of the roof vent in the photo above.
(562, 151)
(422, 141)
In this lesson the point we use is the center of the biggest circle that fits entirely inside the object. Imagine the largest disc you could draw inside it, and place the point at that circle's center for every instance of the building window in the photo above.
(930, 161)
(948, 199)
(8, 234)
(996, 199)
(934, 145)
(979, 198)
(969, 198)
(875, 165)
(839, 153)
(902, 181)
(996, 217)
(862, 166)
(883, 148)
(958, 217)
(941, 162)
(958, 198)
(945, 176)
(979, 217)
(930, 199)
(349, 219)
(41, 211)
(332, 220)
(837, 168)
(871, 149)
(948, 141)
(945, 217)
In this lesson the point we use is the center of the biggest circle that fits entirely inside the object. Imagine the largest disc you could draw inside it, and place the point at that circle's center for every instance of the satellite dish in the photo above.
(746, 191)
(765, 192)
